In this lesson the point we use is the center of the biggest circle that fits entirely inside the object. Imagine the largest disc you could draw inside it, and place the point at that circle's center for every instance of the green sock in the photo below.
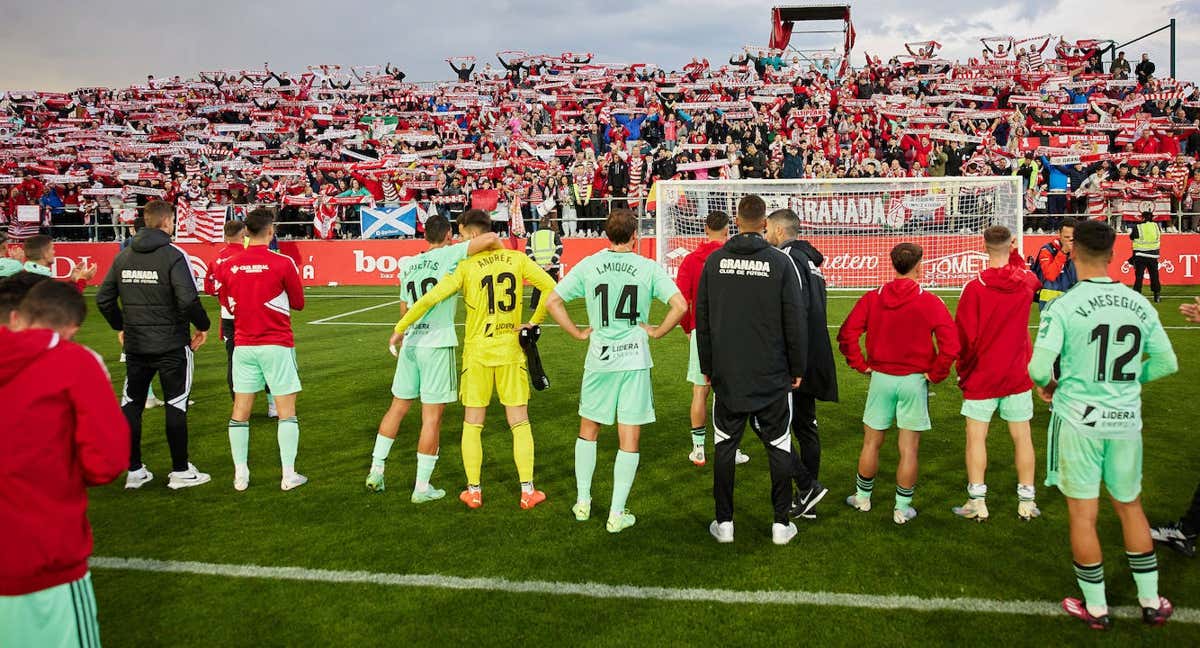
(289, 443)
(425, 464)
(1091, 582)
(864, 486)
(1145, 575)
(585, 467)
(239, 441)
(903, 498)
(383, 446)
(698, 436)
(624, 470)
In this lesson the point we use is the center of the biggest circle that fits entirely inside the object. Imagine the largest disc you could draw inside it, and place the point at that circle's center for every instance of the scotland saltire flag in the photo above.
(389, 222)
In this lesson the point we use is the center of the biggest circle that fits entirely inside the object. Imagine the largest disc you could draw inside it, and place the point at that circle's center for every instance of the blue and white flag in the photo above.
(388, 222)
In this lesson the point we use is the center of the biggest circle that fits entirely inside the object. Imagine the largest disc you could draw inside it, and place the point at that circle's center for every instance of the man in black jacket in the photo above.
(752, 338)
(149, 296)
(820, 378)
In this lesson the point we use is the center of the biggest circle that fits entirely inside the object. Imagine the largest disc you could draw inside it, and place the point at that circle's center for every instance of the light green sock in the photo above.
(864, 486)
(239, 441)
(289, 443)
(1091, 583)
(585, 467)
(698, 435)
(383, 446)
(425, 464)
(1145, 575)
(903, 498)
(624, 470)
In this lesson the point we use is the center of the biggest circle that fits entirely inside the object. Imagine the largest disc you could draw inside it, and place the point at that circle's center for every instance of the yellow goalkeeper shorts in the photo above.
(509, 381)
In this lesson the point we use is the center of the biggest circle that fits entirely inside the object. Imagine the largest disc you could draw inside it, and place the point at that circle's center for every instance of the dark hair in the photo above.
(259, 219)
(716, 221)
(906, 256)
(437, 228)
(997, 236)
(36, 247)
(787, 219)
(752, 209)
(476, 219)
(620, 226)
(53, 304)
(1068, 223)
(234, 228)
(158, 212)
(13, 289)
(1094, 239)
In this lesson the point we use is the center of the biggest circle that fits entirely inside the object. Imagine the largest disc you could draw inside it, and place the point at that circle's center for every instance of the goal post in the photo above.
(856, 222)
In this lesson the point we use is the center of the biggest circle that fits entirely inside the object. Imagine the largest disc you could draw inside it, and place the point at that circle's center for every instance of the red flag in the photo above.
(850, 34)
(781, 32)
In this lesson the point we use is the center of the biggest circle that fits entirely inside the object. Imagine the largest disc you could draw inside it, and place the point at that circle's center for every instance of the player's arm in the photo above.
(795, 322)
(540, 280)
(570, 288)
(667, 292)
(292, 286)
(101, 432)
(187, 300)
(946, 335)
(966, 320)
(106, 299)
(852, 331)
(449, 285)
(1046, 350)
(1160, 360)
(483, 243)
(685, 281)
(703, 330)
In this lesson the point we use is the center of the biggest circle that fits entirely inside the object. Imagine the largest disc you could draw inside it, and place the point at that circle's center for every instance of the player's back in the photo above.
(492, 289)
(263, 288)
(419, 276)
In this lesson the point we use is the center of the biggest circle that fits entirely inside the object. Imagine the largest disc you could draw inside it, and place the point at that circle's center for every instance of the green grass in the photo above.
(333, 523)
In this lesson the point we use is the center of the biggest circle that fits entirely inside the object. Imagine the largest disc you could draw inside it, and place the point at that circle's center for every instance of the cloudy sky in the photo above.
(63, 44)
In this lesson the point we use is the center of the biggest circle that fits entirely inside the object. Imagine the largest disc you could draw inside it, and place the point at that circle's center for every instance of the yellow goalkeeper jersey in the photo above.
(491, 284)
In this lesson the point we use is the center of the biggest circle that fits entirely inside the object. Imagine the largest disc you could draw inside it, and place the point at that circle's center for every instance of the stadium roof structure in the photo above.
(783, 28)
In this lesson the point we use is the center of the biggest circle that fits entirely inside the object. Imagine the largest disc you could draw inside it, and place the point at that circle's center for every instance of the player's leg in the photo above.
(389, 428)
(976, 457)
(803, 424)
(1155, 283)
(1139, 272)
(728, 428)
(239, 424)
(635, 408)
(912, 417)
(428, 447)
(476, 392)
(1180, 535)
(1123, 479)
(1089, 564)
(228, 330)
(175, 376)
(512, 386)
(773, 426)
(283, 376)
(878, 416)
(1017, 410)
(585, 467)
(699, 407)
(138, 374)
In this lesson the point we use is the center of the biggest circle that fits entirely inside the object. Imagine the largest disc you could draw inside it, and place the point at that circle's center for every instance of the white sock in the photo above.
(289, 471)
(1097, 611)
(241, 469)
(527, 487)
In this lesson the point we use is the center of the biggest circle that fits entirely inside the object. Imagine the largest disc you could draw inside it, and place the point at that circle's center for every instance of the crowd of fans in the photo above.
(568, 137)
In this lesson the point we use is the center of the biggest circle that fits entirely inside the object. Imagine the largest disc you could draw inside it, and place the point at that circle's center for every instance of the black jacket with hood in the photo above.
(152, 280)
(820, 380)
(751, 324)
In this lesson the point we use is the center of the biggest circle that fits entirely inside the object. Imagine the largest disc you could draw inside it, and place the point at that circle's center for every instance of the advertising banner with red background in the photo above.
(949, 260)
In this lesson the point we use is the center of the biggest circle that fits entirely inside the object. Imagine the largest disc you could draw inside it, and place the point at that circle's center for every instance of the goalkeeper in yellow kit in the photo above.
(491, 284)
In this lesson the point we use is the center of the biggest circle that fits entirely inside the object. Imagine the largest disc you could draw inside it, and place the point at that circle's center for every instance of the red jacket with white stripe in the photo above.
(262, 288)
(688, 280)
(213, 286)
(901, 321)
(993, 329)
(61, 431)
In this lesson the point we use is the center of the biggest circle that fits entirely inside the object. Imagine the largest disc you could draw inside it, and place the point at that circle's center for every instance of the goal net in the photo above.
(855, 223)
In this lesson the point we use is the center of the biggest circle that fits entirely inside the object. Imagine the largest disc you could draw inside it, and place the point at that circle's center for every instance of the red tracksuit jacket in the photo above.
(688, 280)
(901, 321)
(212, 285)
(61, 431)
(262, 288)
(993, 331)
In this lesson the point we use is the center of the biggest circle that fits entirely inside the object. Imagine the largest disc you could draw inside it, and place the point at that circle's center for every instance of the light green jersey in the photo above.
(618, 288)
(1101, 330)
(9, 267)
(417, 277)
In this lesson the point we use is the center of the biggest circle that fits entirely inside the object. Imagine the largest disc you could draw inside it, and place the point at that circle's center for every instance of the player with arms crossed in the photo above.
(425, 365)
(490, 283)
(993, 373)
(1102, 330)
(618, 285)
(262, 288)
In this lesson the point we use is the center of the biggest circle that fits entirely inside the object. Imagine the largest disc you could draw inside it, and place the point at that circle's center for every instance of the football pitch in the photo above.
(331, 564)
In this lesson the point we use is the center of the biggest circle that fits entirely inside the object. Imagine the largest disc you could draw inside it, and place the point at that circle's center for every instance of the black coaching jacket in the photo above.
(152, 281)
(820, 380)
(751, 323)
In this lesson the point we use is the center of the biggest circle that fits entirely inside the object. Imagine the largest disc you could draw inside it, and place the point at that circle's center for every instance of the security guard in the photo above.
(1147, 239)
(545, 248)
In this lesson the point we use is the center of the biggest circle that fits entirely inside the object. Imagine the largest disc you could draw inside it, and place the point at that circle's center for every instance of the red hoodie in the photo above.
(993, 321)
(262, 288)
(212, 284)
(901, 321)
(688, 280)
(61, 431)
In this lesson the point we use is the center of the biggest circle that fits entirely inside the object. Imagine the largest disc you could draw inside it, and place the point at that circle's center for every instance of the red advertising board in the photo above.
(949, 260)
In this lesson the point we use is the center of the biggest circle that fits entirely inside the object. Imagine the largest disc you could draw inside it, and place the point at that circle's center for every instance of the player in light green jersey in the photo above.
(618, 286)
(1111, 342)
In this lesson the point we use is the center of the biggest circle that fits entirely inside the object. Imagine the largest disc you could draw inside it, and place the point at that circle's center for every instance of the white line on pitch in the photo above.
(547, 325)
(604, 591)
(326, 320)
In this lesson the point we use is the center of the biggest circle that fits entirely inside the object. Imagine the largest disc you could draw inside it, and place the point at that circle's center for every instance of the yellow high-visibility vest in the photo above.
(542, 245)
(1149, 236)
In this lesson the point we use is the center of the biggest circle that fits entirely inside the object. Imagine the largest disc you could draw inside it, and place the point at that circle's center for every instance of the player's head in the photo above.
(234, 231)
(783, 225)
(53, 305)
(1066, 231)
(260, 224)
(39, 249)
(716, 225)
(751, 214)
(13, 289)
(906, 259)
(160, 214)
(621, 226)
(1094, 243)
(998, 240)
(474, 222)
(437, 230)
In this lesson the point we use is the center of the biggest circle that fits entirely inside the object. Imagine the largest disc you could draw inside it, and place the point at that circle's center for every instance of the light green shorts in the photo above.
(903, 400)
(1015, 408)
(428, 373)
(694, 376)
(625, 397)
(255, 367)
(64, 615)
(1078, 463)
